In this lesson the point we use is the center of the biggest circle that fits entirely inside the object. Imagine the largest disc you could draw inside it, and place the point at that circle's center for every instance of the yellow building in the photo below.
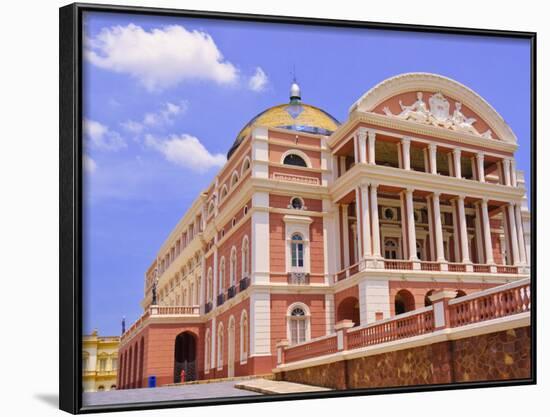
(99, 362)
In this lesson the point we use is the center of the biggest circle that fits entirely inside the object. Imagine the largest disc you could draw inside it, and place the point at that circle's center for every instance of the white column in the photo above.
(345, 234)
(406, 153)
(358, 227)
(521, 238)
(513, 236)
(456, 163)
(411, 225)
(365, 221)
(355, 149)
(487, 232)
(431, 228)
(372, 142)
(362, 135)
(463, 230)
(506, 169)
(438, 229)
(433, 158)
(480, 167)
(374, 217)
(513, 172)
(404, 229)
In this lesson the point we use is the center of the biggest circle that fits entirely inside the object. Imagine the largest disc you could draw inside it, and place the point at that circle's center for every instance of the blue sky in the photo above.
(165, 97)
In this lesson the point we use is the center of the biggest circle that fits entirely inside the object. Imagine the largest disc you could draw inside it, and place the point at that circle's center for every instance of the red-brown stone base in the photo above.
(492, 357)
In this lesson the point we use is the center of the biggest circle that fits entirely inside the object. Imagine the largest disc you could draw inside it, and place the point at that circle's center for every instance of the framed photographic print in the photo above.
(262, 208)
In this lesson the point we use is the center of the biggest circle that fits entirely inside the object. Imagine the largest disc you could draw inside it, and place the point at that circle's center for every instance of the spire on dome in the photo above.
(295, 94)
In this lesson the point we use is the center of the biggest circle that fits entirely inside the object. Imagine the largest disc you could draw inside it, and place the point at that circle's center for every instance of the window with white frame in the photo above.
(209, 285)
(222, 276)
(207, 351)
(298, 324)
(244, 336)
(233, 266)
(220, 346)
(245, 257)
(297, 251)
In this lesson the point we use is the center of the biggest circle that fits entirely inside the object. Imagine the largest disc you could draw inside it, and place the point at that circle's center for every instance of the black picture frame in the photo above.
(70, 202)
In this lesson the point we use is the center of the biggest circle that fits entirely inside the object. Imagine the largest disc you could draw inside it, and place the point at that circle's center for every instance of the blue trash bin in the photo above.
(152, 381)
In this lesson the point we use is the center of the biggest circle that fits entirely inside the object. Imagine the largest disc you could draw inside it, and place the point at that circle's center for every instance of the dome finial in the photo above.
(295, 95)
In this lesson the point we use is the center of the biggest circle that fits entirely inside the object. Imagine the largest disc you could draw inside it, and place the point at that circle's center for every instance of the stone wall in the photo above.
(496, 356)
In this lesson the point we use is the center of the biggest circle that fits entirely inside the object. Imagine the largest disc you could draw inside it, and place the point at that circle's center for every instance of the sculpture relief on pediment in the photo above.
(435, 109)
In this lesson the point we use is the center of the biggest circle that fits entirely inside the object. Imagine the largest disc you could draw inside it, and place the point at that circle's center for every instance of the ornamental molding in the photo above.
(415, 82)
(438, 114)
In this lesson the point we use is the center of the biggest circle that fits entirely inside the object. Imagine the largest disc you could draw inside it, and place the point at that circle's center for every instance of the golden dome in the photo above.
(295, 115)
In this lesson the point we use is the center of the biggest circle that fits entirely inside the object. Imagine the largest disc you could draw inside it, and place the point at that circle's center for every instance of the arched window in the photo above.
(209, 283)
(298, 324)
(234, 179)
(245, 257)
(113, 387)
(101, 388)
(297, 251)
(233, 266)
(192, 300)
(244, 336)
(207, 351)
(220, 346)
(224, 192)
(222, 276)
(390, 249)
(295, 160)
(246, 166)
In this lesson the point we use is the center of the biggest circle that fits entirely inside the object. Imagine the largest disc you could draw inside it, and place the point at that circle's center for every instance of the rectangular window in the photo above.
(114, 364)
(102, 364)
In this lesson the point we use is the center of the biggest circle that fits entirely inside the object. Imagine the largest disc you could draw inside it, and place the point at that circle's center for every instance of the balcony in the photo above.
(425, 266)
(231, 292)
(298, 278)
(220, 299)
(244, 283)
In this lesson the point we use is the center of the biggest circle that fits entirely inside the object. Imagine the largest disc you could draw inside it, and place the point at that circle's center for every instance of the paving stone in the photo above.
(184, 392)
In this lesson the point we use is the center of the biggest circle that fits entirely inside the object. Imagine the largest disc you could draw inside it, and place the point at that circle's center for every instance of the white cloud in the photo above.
(88, 164)
(132, 126)
(100, 137)
(165, 116)
(258, 82)
(160, 58)
(187, 151)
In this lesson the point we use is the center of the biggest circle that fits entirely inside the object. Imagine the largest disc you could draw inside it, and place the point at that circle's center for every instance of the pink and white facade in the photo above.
(306, 226)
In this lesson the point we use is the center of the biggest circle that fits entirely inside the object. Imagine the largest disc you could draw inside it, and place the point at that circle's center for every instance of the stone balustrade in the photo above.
(446, 312)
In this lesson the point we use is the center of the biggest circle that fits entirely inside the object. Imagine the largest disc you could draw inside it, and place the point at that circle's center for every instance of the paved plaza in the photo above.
(182, 392)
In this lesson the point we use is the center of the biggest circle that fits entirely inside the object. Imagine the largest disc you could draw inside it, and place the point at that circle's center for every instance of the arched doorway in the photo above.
(185, 354)
(404, 302)
(348, 309)
(231, 348)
